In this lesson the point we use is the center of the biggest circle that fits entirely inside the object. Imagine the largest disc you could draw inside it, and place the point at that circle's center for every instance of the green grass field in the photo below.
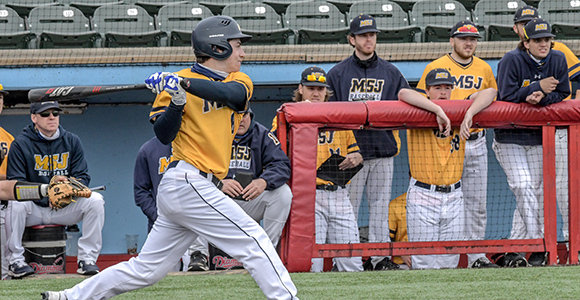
(519, 283)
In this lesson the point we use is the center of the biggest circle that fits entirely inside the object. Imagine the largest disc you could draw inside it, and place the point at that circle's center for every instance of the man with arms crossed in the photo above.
(366, 77)
(532, 73)
(521, 18)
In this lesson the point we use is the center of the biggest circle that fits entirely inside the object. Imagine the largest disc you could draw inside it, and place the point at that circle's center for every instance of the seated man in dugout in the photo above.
(45, 149)
(435, 207)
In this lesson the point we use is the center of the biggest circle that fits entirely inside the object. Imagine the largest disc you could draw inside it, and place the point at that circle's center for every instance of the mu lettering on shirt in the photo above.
(467, 80)
(50, 165)
(474, 77)
(366, 89)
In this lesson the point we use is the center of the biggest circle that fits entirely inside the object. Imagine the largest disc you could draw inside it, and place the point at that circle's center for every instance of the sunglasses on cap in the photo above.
(46, 113)
(320, 78)
(467, 28)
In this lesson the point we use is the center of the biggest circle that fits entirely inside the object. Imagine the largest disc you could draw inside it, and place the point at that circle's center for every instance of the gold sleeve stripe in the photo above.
(574, 70)
(158, 109)
(156, 112)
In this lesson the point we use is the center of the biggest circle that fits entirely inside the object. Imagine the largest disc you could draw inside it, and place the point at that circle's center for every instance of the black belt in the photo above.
(474, 136)
(328, 187)
(218, 183)
(439, 188)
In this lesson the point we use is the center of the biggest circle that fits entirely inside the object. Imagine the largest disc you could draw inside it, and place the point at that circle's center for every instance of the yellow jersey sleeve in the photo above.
(207, 128)
(573, 64)
(6, 140)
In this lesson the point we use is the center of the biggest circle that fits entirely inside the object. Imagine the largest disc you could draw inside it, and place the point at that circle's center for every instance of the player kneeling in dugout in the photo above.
(435, 206)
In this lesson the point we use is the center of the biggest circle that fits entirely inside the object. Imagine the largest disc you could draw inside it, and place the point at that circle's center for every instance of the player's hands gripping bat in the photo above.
(169, 82)
(156, 82)
(61, 191)
(173, 87)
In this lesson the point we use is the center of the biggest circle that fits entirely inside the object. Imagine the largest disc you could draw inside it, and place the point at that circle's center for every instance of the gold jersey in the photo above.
(398, 222)
(468, 80)
(207, 128)
(572, 61)
(340, 142)
(434, 158)
(5, 142)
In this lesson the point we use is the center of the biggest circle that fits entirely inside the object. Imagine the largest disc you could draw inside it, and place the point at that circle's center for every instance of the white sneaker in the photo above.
(53, 295)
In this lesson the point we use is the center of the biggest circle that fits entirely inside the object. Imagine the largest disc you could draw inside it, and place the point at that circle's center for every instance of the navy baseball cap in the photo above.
(537, 28)
(2, 91)
(363, 24)
(38, 107)
(465, 28)
(438, 77)
(525, 14)
(314, 76)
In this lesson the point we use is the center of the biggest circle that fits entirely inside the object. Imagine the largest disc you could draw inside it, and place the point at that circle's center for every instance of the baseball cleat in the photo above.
(482, 263)
(53, 296)
(87, 268)
(538, 259)
(198, 262)
(386, 264)
(515, 260)
(20, 270)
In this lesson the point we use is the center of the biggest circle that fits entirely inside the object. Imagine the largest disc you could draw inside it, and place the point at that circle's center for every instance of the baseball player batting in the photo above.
(470, 74)
(201, 127)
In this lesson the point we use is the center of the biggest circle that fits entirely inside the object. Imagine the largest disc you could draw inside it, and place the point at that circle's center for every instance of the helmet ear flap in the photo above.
(211, 36)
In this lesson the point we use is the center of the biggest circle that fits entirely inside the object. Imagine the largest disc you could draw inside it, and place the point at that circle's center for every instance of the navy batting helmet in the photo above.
(213, 33)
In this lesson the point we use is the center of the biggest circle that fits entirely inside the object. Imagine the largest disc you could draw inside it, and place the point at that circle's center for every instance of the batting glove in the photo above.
(173, 87)
(156, 81)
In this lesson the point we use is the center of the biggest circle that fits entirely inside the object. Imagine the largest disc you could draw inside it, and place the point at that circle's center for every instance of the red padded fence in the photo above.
(303, 121)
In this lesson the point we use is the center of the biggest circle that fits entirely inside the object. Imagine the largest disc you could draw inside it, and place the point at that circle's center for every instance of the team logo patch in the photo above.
(526, 12)
(442, 75)
(366, 23)
(541, 26)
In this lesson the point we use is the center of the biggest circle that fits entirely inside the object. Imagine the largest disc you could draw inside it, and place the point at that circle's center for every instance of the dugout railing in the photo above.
(298, 127)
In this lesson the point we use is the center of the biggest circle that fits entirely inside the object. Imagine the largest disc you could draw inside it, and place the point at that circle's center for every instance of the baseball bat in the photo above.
(99, 188)
(66, 93)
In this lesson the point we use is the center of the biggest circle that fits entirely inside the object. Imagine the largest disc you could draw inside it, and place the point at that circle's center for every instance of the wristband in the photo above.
(24, 190)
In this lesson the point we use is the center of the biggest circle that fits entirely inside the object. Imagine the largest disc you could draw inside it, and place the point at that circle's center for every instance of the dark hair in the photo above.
(201, 59)
(348, 39)
(298, 97)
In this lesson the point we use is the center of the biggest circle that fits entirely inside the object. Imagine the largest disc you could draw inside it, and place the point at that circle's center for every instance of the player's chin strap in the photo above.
(24, 190)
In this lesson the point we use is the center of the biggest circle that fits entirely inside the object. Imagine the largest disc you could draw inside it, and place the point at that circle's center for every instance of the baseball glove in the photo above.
(61, 193)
